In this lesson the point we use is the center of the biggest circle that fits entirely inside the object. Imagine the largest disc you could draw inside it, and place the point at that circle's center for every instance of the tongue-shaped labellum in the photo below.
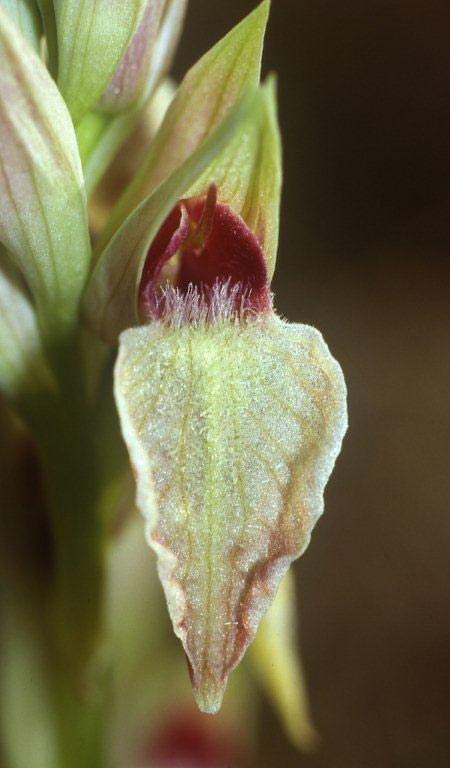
(233, 421)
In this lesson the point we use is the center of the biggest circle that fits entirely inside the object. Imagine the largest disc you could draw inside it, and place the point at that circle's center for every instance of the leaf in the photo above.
(205, 96)
(25, 15)
(43, 221)
(23, 368)
(233, 429)
(275, 657)
(92, 38)
(111, 299)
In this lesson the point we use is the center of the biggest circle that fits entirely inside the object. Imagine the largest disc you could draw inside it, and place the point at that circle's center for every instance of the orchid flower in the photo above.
(230, 418)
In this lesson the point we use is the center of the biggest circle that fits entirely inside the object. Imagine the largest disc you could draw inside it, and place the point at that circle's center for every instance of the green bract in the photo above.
(23, 368)
(25, 14)
(101, 132)
(92, 38)
(43, 220)
(274, 655)
(248, 174)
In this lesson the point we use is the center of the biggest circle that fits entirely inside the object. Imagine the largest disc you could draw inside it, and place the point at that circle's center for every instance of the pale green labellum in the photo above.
(233, 428)
(111, 299)
(92, 38)
(43, 221)
(25, 15)
(205, 96)
(23, 368)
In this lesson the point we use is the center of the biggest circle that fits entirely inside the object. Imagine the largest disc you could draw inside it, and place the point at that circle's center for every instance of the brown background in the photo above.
(364, 256)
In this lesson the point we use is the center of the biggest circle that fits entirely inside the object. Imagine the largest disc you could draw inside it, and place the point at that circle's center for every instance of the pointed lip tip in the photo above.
(209, 701)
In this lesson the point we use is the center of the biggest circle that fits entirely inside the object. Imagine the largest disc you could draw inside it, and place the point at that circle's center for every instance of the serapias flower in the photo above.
(220, 269)
(233, 420)
(232, 417)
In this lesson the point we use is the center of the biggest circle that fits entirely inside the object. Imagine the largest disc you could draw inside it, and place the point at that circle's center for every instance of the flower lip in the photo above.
(204, 250)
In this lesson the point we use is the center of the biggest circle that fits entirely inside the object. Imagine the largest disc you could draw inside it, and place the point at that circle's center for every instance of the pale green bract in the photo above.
(92, 38)
(25, 15)
(247, 174)
(23, 368)
(43, 221)
(275, 659)
(233, 427)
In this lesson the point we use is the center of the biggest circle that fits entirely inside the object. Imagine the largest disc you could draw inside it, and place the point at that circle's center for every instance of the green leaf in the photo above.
(23, 368)
(275, 657)
(233, 429)
(207, 93)
(25, 14)
(92, 38)
(43, 220)
(111, 299)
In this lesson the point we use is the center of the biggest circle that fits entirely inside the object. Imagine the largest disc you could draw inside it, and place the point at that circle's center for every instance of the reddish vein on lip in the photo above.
(210, 245)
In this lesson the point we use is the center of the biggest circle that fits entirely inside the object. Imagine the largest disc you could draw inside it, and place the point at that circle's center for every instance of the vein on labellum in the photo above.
(233, 420)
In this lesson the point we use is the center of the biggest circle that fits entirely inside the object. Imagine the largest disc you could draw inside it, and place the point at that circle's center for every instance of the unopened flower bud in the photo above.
(147, 57)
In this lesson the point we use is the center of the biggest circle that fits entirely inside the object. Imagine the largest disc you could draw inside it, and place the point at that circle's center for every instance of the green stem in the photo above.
(65, 434)
(99, 139)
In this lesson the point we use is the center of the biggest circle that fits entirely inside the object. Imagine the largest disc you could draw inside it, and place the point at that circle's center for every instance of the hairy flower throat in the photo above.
(204, 253)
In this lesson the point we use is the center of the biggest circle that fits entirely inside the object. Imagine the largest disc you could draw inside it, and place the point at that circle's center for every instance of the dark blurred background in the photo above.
(364, 255)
